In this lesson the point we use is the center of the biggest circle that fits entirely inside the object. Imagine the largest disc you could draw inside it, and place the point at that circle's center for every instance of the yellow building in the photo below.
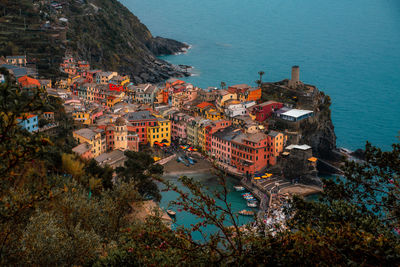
(91, 137)
(201, 135)
(224, 96)
(83, 117)
(160, 133)
(114, 98)
(213, 114)
(125, 80)
(71, 80)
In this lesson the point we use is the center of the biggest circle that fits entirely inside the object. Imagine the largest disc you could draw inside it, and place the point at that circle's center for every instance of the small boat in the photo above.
(252, 204)
(246, 213)
(171, 213)
(239, 188)
(195, 161)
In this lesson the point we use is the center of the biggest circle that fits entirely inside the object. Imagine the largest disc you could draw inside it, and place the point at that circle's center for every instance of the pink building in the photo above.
(178, 130)
(212, 128)
(221, 146)
(178, 126)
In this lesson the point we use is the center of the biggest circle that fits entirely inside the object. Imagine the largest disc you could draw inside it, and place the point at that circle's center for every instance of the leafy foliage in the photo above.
(140, 169)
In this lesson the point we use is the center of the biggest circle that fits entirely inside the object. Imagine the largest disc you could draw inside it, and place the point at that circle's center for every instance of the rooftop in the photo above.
(301, 147)
(139, 115)
(86, 133)
(82, 148)
(273, 133)
(204, 104)
(111, 157)
(227, 133)
(296, 113)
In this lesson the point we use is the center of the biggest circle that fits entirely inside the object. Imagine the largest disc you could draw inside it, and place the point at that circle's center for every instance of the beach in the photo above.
(177, 168)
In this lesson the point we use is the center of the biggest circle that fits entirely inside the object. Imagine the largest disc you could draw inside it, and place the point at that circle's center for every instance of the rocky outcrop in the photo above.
(164, 46)
(319, 132)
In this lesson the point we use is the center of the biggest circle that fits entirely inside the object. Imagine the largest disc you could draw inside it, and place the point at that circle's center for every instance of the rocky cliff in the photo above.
(103, 32)
(318, 131)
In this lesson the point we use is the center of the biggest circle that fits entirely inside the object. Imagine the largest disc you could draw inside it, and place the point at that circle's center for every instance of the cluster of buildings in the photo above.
(230, 125)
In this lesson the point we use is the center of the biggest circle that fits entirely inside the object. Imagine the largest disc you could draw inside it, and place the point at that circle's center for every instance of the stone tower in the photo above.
(295, 81)
(120, 134)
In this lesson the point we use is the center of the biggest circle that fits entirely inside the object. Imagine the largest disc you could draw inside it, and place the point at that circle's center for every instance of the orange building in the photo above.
(254, 94)
(28, 82)
(276, 141)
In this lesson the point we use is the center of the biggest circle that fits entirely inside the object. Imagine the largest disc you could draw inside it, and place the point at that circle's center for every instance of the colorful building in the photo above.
(221, 144)
(16, 60)
(26, 82)
(29, 122)
(105, 77)
(92, 137)
(82, 117)
(211, 129)
(250, 153)
(140, 121)
(84, 150)
(212, 114)
(160, 133)
(265, 110)
(276, 142)
(224, 96)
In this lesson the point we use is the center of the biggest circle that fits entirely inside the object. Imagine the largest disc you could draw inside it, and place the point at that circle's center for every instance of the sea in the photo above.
(348, 49)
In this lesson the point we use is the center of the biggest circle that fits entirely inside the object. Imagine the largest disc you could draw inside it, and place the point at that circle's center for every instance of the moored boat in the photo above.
(252, 204)
(246, 213)
(239, 188)
(171, 213)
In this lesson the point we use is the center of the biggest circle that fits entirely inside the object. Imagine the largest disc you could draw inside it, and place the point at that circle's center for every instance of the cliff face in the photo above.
(318, 131)
(103, 32)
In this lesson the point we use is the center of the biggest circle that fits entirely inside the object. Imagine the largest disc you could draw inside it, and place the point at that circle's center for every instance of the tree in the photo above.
(140, 169)
(223, 85)
(258, 82)
(261, 73)
(103, 173)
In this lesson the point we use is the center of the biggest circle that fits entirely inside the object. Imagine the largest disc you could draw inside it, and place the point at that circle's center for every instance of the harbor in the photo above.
(261, 198)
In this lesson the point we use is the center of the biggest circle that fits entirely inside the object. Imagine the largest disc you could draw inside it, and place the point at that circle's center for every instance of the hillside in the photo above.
(104, 32)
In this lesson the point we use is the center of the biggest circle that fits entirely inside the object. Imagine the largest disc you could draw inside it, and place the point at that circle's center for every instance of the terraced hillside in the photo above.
(103, 32)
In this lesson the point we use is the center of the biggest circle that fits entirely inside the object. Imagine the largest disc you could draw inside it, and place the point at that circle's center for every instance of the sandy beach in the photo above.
(176, 168)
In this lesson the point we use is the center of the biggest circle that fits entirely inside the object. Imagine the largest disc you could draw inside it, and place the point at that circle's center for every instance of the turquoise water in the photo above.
(349, 49)
(208, 180)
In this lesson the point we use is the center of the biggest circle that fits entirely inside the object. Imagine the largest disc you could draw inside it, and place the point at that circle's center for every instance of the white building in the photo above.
(296, 115)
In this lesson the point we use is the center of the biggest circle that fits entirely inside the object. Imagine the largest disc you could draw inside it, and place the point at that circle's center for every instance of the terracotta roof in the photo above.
(26, 81)
(204, 104)
(27, 117)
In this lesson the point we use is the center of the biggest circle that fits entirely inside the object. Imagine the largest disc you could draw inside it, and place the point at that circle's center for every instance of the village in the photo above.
(230, 127)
